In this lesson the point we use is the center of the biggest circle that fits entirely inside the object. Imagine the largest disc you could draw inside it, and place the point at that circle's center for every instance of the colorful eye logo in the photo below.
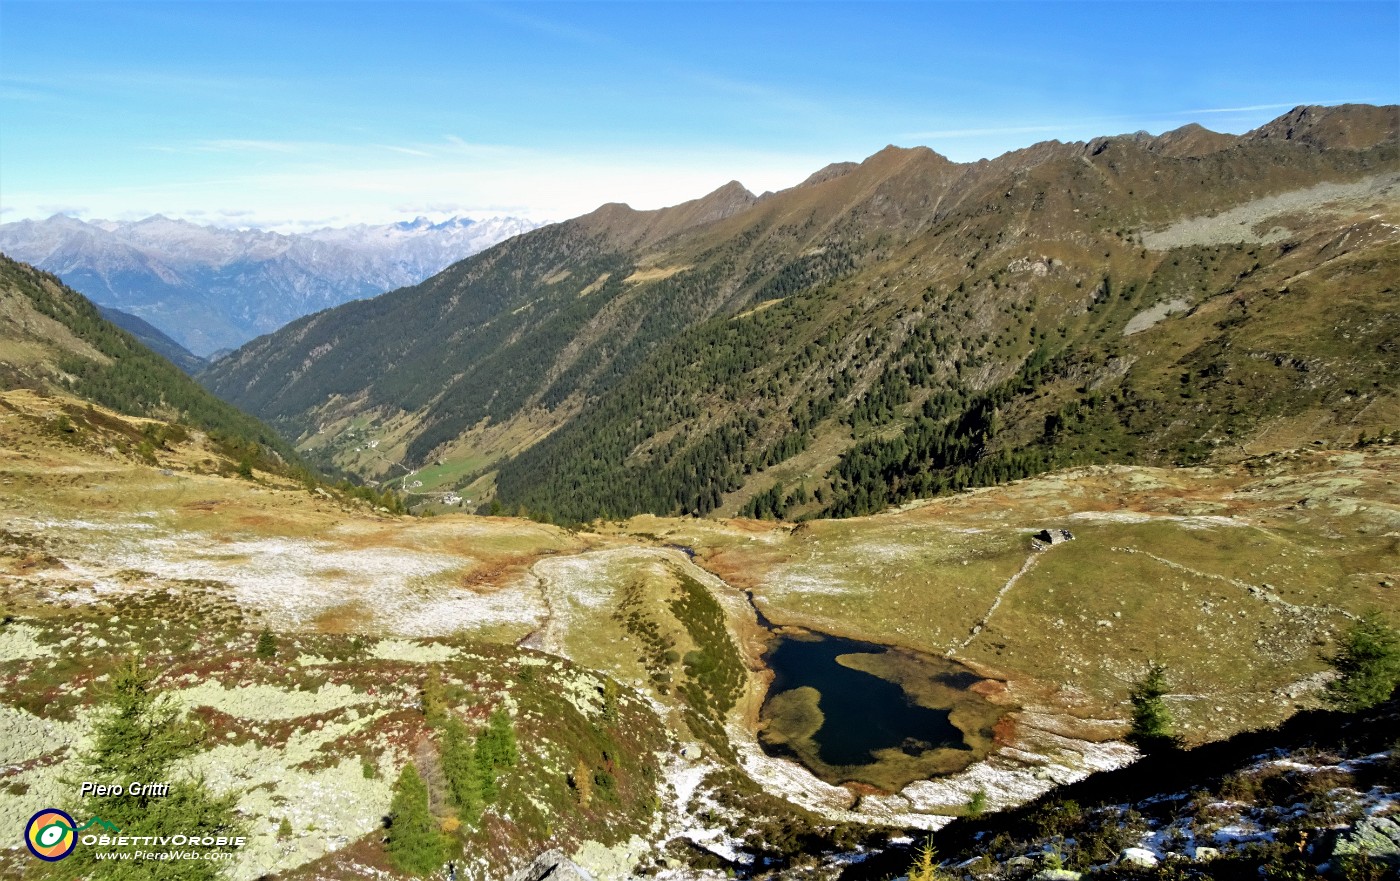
(50, 834)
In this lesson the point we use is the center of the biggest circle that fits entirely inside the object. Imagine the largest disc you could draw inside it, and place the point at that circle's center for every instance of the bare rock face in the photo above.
(551, 865)
(1348, 126)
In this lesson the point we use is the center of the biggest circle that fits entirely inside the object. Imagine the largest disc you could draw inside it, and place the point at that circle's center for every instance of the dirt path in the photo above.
(996, 601)
(1260, 592)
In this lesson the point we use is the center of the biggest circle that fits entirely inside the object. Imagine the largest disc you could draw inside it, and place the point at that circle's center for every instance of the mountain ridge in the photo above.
(778, 337)
(55, 341)
(152, 338)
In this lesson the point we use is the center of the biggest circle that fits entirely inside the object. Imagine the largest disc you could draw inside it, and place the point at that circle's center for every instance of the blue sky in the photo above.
(291, 115)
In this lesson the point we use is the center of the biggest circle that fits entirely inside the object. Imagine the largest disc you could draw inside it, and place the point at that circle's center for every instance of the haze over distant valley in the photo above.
(213, 289)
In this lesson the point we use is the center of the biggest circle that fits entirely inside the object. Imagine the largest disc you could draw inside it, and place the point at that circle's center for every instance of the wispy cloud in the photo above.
(986, 132)
(778, 99)
(775, 98)
(251, 145)
(376, 186)
(24, 93)
(70, 210)
(547, 26)
(1252, 108)
(128, 80)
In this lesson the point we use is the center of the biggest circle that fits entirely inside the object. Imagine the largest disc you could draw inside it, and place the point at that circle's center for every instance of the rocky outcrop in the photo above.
(1375, 837)
(551, 865)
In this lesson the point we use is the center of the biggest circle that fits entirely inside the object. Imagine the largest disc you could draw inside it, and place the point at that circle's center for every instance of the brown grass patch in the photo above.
(352, 617)
(492, 573)
(1004, 732)
(654, 273)
(596, 284)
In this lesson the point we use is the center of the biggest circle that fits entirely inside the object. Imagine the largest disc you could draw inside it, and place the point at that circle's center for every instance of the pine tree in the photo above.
(142, 737)
(459, 766)
(1152, 722)
(267, 645)
(1367, 663)
(415, 845)
(495, 752)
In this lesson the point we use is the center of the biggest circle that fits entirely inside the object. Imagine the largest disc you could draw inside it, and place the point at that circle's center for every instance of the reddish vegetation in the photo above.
(863, 789)
(1004, 732)
(988, 688)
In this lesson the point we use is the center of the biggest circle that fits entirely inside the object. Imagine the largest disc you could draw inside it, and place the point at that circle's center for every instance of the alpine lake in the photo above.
(863, 713)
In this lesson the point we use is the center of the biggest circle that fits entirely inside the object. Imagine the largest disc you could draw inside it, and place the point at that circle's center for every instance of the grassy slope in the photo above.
(103, 554)
(1235, 577)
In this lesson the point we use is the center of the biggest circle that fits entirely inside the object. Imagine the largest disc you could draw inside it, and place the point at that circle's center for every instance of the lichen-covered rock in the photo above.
(20, 642)
(1375, 837)
(1057, 875)
(552, 865)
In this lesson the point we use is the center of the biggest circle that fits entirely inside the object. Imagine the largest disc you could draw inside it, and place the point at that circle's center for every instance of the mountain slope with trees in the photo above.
(890, 329)
(53, 339)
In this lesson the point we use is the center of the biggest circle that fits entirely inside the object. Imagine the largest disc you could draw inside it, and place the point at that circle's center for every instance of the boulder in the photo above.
(692, 752)
(1057, 875)
(1203, 854)
(1140, 857)
(551, 865)
(1375, 837)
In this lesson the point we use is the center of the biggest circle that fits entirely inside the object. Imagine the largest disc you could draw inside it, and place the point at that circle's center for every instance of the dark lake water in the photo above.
(861, 712)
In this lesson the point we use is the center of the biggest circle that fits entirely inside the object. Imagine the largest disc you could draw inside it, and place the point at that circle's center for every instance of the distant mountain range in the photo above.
(212, 289)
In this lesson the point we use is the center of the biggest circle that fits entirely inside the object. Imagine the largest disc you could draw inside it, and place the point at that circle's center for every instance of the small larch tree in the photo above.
(414, 845)
(1367, 663)
(924, 866)
(267, 645)
(582, 782)
(459, 766)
